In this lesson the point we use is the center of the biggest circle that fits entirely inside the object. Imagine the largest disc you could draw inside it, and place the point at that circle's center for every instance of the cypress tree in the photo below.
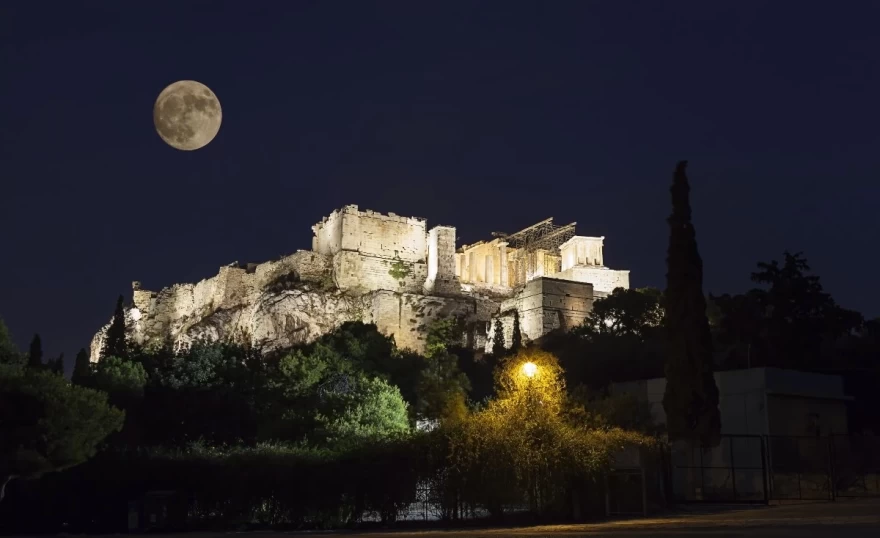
(82, 369)
(517, 335)
(35, 356)
(498, 348)
(115, 344)
(691, 398)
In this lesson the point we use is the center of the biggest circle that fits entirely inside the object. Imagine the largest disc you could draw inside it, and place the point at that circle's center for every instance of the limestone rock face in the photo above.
(281, 319)
(274, 320)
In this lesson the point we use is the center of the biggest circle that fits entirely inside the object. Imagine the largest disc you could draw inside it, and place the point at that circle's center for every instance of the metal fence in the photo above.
(734, 471)
(800, 468)
(856, 470)
(751, 468)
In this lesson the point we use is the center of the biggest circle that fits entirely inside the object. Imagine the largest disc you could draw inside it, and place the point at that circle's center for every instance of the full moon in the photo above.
(187, 115)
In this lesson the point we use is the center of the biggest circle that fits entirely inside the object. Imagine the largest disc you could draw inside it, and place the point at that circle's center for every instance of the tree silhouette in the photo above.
(56, 365)
(498, 348)
(691, 398)
(47, 424)
(788, 323)
(517, 334)
(115, 343)
(35, 355)
(82, 370)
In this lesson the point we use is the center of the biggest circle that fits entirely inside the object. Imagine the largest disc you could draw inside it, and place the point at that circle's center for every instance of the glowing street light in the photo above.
(530, 369)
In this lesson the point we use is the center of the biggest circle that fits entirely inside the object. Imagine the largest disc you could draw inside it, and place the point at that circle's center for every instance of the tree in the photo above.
(115, 341)
(35, 355)
(524, 444)
(786, 323)
(635, 312)
(9, 353)
(56, 365)
(47, 424)
(498, 347)
(608, 410)
(115, 375)
(442, 387)
(517, 340)
(82, 369)
(362, 410)
(691, 397)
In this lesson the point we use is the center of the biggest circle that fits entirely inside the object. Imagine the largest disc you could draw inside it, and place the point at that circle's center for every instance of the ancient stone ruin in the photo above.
(388, 270)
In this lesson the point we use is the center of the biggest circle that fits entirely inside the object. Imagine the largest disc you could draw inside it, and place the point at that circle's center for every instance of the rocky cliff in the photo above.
(285, 303)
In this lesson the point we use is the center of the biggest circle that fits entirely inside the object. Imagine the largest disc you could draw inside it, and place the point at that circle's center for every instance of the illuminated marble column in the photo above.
(502, 249)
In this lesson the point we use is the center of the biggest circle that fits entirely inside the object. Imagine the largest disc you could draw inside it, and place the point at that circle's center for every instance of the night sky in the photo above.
(485, 116)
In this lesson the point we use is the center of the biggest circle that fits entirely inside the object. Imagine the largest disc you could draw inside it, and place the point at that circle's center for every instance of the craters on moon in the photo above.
(187, 115)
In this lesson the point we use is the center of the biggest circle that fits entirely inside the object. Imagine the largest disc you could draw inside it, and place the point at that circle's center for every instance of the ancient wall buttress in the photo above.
(442, 278)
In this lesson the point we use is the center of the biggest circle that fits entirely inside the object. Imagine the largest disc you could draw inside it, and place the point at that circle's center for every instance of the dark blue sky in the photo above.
(486, 116)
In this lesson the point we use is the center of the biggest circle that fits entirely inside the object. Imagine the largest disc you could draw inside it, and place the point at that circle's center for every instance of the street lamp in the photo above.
(530, 369)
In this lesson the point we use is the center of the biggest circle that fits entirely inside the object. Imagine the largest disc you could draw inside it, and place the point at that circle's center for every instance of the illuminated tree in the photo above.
(523, 445)
(117, 376)
(364, 411)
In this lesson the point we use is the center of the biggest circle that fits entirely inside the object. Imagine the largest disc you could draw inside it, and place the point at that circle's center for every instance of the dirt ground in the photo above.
(841, 519)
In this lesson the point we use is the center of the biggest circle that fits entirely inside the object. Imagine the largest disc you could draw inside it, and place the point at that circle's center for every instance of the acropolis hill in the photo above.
(389, 270)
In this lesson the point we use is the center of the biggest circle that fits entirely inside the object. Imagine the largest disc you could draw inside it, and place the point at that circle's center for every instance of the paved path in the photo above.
(843, 519)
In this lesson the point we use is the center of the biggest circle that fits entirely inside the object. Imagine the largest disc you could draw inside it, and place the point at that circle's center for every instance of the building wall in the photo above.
(763, 401)
(604, 280)
(797, 415)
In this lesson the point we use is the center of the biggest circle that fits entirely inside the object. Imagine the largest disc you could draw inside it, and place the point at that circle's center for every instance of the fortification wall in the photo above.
(371, 234)
(328, 234)
(392, 236)
(544, 304)
(360, 274)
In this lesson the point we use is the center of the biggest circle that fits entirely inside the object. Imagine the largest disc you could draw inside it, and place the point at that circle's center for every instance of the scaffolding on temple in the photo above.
(542, 236)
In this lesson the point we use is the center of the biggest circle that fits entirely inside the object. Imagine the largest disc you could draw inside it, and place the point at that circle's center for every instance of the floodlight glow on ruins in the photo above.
(392, 271)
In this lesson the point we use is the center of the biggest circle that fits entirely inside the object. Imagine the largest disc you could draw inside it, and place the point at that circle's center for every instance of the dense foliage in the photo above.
(47, 424)
(324, 435)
